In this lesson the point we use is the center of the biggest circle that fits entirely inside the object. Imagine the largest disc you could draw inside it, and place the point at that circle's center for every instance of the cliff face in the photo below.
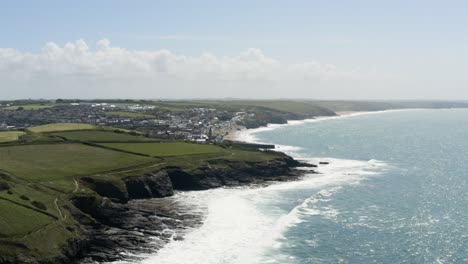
(217, 173)
(118, 221)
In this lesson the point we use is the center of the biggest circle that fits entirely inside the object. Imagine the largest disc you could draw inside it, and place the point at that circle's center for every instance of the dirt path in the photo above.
(76, 185)
(154, 165)
(58, 209)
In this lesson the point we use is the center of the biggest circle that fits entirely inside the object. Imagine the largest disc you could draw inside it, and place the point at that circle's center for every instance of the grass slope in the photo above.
(40, 174)
(100, 136)
(166, 149)
(61, 127)
(28, 107)
(17, 220)
(9, 136)
(50, 162)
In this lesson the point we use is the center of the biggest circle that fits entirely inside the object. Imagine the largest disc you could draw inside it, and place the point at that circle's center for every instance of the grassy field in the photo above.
(41, 174)
(38, 163)
(18, 220)
(24, 224)
(100, 136)
(131, 114)
(283, 106)
(8, 136)
(60, 127)
(166, 149)
(292, 107)
(28, 107)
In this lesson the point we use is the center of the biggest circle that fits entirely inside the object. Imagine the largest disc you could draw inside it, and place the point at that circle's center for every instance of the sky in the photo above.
(359, 50)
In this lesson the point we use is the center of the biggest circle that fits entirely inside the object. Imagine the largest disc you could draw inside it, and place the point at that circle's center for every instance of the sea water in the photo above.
(395, 191)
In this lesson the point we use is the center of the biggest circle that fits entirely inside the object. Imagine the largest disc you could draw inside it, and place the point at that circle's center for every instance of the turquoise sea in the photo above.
(395, 191)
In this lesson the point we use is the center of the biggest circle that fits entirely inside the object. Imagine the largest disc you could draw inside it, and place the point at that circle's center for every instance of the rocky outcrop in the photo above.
(106, 188)
(149, 185)
(216, 173)
(121, 217)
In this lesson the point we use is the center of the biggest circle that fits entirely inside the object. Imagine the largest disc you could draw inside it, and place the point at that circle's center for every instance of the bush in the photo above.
(39, 205)
(24, 197)
(4, 186)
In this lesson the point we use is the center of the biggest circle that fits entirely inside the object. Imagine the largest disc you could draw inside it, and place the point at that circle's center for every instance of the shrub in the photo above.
(4, 186)
(39, 205)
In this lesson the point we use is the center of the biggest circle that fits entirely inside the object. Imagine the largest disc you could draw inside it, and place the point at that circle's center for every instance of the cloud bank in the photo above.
(78, 71)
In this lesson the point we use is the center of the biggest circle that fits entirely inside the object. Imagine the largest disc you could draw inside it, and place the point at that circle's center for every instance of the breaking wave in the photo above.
(242, 223)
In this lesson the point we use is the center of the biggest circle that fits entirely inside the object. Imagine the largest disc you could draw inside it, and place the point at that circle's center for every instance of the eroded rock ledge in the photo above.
(124, 218)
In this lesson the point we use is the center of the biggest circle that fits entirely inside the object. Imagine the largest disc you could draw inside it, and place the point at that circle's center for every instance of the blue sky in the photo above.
(412, 43)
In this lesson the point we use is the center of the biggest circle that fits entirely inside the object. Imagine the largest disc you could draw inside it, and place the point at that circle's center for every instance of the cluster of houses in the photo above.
(195, 124)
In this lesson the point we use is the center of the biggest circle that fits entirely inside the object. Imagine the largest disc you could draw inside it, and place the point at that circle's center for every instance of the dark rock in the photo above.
(150, 185)
(126, 219)
(106, 189)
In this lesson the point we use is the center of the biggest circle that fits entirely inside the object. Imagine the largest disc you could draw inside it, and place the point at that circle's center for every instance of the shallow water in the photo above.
(395, 191)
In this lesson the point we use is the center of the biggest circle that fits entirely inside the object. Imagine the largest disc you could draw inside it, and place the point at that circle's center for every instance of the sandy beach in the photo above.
(241, 133)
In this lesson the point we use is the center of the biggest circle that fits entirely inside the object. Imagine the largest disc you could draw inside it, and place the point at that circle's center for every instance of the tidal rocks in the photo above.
(123, 218)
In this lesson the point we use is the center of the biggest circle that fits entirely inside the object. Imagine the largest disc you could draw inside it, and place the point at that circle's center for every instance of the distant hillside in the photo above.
(341, 106)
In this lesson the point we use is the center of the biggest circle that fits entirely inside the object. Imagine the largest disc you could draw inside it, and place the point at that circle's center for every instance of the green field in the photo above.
(307, 108)
(61, 127)
(100, 136)
(283, 106)
(8, 136)
(28, 107)
(43, 174)
(17, 220)
(166, 149)
(38, 163)
(131, 114)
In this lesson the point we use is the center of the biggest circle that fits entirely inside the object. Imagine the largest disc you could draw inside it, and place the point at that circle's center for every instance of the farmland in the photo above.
(20, 220)
(28, 107)
(60, 127)
(166, 149)
(45, 169)
(50, 162)
(100, 136)
(9, 136)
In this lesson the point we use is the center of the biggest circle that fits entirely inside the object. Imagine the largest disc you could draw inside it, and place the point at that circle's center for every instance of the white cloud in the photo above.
(162, 37)
(76, 70)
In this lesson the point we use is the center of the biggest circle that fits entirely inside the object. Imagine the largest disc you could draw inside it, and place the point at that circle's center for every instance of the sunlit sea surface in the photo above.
(395, 191)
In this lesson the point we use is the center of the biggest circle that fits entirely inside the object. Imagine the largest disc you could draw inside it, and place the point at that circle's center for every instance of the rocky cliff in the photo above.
(122, 217)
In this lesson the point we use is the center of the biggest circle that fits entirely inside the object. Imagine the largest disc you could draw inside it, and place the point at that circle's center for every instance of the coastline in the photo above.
(125, 229)
(244, 134)
(139, 231)
(225, 204)
(247, 135)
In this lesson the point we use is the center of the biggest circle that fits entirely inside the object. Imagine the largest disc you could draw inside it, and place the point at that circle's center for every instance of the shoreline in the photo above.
(243, 134)
(191, 241)
(142, 230)
(130, 229)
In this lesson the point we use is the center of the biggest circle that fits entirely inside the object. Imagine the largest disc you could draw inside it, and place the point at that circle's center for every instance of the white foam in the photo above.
(237, 230)
(228, 235)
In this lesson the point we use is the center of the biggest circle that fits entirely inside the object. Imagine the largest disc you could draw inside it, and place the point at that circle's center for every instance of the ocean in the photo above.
(395, 191)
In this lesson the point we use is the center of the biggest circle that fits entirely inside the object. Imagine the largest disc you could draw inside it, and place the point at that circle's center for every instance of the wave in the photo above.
(241, 224)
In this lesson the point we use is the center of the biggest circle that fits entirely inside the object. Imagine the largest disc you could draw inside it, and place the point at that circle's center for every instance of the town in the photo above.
(198, 124)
